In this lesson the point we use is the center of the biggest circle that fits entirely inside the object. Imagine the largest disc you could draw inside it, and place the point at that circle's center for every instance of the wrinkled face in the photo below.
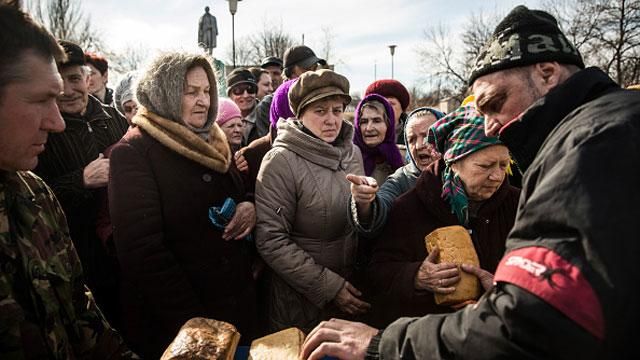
(502, 96)
(397, 108)
(28, 112)
(233, 129)
(97, 81)
(130, 109)
(372, 126)
(75, 97)
(264, 86)
(483, 171)
(276, 75)
(324, 118)
(196, 99)
(244, 96)
(421, 151)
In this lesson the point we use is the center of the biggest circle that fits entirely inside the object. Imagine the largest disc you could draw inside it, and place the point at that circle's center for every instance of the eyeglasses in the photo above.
(240, 89)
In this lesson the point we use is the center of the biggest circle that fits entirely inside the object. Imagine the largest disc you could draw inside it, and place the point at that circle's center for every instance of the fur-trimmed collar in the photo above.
(214, 154)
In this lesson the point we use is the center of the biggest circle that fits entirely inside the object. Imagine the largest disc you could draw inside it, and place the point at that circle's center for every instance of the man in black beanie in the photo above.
(567, 287)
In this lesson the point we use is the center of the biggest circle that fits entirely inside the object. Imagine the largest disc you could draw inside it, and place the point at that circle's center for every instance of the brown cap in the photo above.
(313, 86)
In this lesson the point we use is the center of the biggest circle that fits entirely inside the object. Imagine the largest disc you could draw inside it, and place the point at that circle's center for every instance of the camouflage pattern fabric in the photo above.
(46, 312)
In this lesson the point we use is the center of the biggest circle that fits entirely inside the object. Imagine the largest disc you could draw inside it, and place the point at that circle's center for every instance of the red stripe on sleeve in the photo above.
(555, 280)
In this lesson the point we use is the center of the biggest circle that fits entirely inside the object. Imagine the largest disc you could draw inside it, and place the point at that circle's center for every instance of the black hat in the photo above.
(75, 55)
(525, 37)
(240, 76)
(300, 55)
(271, 60)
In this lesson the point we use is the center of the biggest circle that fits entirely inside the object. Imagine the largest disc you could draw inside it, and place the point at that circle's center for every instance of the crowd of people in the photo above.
(123, 214)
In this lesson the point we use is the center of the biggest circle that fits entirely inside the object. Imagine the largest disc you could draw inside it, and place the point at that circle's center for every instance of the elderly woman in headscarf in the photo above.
(179, 210)
(370, 204)
(470, 190)
(375, 134)
(301, 196)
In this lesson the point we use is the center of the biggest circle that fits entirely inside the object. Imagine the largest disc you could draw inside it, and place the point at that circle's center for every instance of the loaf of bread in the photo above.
(201, 339)
(456, 247)
(283, 345)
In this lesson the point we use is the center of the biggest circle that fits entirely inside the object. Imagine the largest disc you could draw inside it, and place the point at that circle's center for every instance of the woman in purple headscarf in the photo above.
(375, 136)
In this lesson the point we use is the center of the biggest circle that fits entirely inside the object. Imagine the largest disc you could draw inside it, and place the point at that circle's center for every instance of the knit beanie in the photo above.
(227, 110)
(280, 104)
(241, 76)
(525, 37)
(161, 86)
(390, 88)
(124, 91)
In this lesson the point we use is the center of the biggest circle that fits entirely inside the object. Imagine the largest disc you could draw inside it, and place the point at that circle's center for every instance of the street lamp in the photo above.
(233, 8)
(392, 49)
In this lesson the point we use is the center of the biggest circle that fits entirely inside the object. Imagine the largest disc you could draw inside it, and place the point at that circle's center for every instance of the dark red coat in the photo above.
(175, 264)
(400, 249)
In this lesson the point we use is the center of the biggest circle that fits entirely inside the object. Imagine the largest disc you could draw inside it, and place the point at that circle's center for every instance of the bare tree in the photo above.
(326, 44)
(270, 41)
(606, 32)
(244, 52)
(66, 21)
(129, 59)
(446, 63)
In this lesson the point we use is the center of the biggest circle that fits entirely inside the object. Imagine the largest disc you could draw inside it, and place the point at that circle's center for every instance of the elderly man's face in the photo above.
(502, 96)
(28, 112)
(75, 97)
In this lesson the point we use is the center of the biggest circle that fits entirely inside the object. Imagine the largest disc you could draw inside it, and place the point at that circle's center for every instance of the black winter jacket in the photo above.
(567, 287)
(61, 165)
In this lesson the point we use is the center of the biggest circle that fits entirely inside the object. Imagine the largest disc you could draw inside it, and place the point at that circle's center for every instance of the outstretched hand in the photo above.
(485, 277)
(338, 338)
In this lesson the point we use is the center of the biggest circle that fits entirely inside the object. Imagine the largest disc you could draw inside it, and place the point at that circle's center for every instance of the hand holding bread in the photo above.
(455, 246)
(436, 278)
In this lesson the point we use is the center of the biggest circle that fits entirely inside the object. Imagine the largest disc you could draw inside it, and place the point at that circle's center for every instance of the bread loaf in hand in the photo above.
(283, 345)
(456, 247)
(200, 339)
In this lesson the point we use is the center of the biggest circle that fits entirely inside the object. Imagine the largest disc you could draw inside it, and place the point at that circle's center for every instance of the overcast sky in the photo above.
(362, 29)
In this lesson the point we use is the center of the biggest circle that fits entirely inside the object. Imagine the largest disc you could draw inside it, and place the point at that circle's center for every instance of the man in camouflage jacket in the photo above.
(46, 312)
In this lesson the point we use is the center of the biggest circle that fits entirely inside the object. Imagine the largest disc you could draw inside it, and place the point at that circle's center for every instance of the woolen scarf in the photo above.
(214, 153)
(388, 148)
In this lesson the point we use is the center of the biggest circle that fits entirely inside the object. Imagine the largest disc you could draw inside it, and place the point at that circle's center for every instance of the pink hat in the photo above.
(227, 110)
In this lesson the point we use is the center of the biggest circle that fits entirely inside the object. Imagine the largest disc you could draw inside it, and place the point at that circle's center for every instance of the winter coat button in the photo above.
(206, 177)
(486, 221)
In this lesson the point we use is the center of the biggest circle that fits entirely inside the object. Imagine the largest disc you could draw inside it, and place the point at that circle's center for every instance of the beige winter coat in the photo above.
(303, 232)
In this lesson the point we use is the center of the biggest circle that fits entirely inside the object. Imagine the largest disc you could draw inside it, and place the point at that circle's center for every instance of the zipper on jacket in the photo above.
(89, 127)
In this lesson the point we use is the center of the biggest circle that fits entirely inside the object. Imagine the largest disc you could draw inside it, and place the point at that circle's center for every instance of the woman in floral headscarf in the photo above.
(470, 190)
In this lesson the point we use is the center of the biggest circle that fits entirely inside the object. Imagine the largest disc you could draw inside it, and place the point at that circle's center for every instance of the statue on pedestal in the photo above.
(207, 31)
